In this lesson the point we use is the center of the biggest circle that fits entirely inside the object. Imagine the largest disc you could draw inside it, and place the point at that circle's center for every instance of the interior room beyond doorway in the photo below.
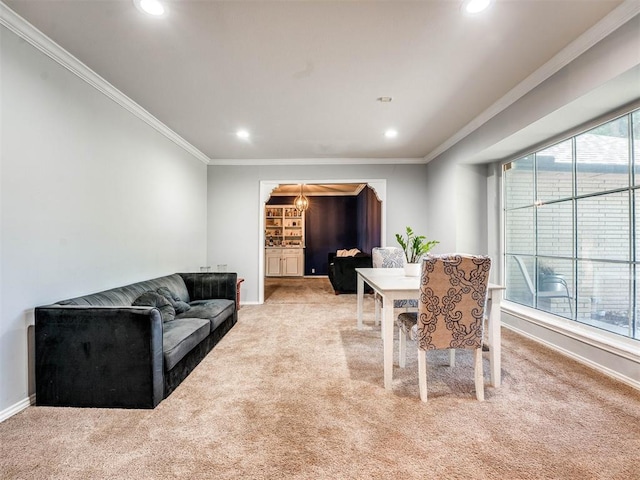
(368, 217)
(339, 216)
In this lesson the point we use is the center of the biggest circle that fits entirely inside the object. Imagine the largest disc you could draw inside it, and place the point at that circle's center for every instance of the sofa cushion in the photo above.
(154, 299)
(216, 311)
(174, 300)
(180, 337)
(124, 296)
(181, 306)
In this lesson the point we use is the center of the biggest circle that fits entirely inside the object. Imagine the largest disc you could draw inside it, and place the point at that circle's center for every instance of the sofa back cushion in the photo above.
(125, 296)
(174, 300)
(154, 299)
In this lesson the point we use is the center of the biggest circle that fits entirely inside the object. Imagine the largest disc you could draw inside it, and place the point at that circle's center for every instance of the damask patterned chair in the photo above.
(453, 297)
(389, 257)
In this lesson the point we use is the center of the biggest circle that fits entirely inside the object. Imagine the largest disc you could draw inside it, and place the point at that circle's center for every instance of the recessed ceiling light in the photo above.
(391, 133)
(242, 134)
(384, 99)
(151, 7)
(475, 6)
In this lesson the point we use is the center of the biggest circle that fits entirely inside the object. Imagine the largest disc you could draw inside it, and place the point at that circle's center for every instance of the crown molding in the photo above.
(316, 161)
(18, 25)
(610, 23)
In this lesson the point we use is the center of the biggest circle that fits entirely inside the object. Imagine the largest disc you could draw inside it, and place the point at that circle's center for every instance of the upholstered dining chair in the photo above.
(451, 308)
(389, 257)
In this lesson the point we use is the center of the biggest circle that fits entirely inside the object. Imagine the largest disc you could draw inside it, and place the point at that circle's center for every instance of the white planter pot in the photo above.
(412, 269)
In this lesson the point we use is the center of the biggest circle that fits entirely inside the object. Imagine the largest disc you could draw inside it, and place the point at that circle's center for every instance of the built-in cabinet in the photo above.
(284, 241)
(284, 262)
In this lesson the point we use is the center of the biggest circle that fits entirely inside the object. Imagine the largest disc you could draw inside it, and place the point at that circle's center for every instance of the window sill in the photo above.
(602, 339)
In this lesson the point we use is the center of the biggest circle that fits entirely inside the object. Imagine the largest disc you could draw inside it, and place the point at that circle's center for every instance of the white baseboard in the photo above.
(578, 358)
(17, 407)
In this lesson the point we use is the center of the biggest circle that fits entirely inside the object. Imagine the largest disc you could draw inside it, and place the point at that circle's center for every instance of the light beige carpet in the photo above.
(295, 391)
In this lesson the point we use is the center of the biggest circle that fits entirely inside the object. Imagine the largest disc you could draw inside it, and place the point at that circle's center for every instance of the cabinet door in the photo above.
(293, 264)
(273, 264)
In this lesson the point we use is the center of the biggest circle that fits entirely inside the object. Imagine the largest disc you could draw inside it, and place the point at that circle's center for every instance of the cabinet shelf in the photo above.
(284, 241)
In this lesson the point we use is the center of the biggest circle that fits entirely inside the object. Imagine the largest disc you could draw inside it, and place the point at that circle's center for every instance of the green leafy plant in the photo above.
(414, 246)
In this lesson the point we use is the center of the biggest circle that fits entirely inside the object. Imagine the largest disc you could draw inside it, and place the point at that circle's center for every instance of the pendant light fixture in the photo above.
(301, 202)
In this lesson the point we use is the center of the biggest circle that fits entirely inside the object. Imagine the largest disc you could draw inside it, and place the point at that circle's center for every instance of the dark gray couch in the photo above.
(99, 350)
(342, 272)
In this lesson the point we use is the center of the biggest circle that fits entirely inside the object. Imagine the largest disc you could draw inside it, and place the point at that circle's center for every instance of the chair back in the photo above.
(525, 274)
(453, 295)
(387, 257)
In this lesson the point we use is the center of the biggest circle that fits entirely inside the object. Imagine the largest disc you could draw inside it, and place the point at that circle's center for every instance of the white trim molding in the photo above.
(16, 24)
(316, 161)
(613, 355)
(17, 408)
(379, 186)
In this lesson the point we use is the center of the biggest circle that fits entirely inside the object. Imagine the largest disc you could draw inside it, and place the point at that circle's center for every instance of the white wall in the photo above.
(493, 218)
(441, 196)
(458, 196)
(611, 58)
(91, 198)
(471, 209)
(235, 207)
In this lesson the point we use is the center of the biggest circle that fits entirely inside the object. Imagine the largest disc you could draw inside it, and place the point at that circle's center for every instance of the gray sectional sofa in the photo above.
(131, 346)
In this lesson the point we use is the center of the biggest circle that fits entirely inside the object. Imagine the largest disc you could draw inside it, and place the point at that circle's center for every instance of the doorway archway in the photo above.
(379, 187)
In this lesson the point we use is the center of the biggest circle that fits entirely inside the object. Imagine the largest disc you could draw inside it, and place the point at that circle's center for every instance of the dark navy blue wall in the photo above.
(333, 223)
(369, 215)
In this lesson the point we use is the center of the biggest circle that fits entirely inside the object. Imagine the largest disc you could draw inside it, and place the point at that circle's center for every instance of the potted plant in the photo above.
(414, 246)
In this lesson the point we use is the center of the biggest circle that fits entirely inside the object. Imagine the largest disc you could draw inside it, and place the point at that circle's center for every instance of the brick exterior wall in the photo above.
(539, 226)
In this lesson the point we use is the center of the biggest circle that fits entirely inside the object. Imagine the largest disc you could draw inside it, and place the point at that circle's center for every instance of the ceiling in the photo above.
(303, 77)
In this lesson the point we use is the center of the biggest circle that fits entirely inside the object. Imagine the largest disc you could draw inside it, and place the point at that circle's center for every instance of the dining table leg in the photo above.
(360, 299)
(387, 340)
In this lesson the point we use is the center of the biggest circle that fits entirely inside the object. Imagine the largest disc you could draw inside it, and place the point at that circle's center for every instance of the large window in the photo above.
(572, 214)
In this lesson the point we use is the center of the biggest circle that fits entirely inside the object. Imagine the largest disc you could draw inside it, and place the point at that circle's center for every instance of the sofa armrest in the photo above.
(209, 286)
(98, 356)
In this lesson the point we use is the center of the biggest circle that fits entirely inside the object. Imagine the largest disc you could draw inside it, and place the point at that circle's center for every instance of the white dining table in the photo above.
(392, 284)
